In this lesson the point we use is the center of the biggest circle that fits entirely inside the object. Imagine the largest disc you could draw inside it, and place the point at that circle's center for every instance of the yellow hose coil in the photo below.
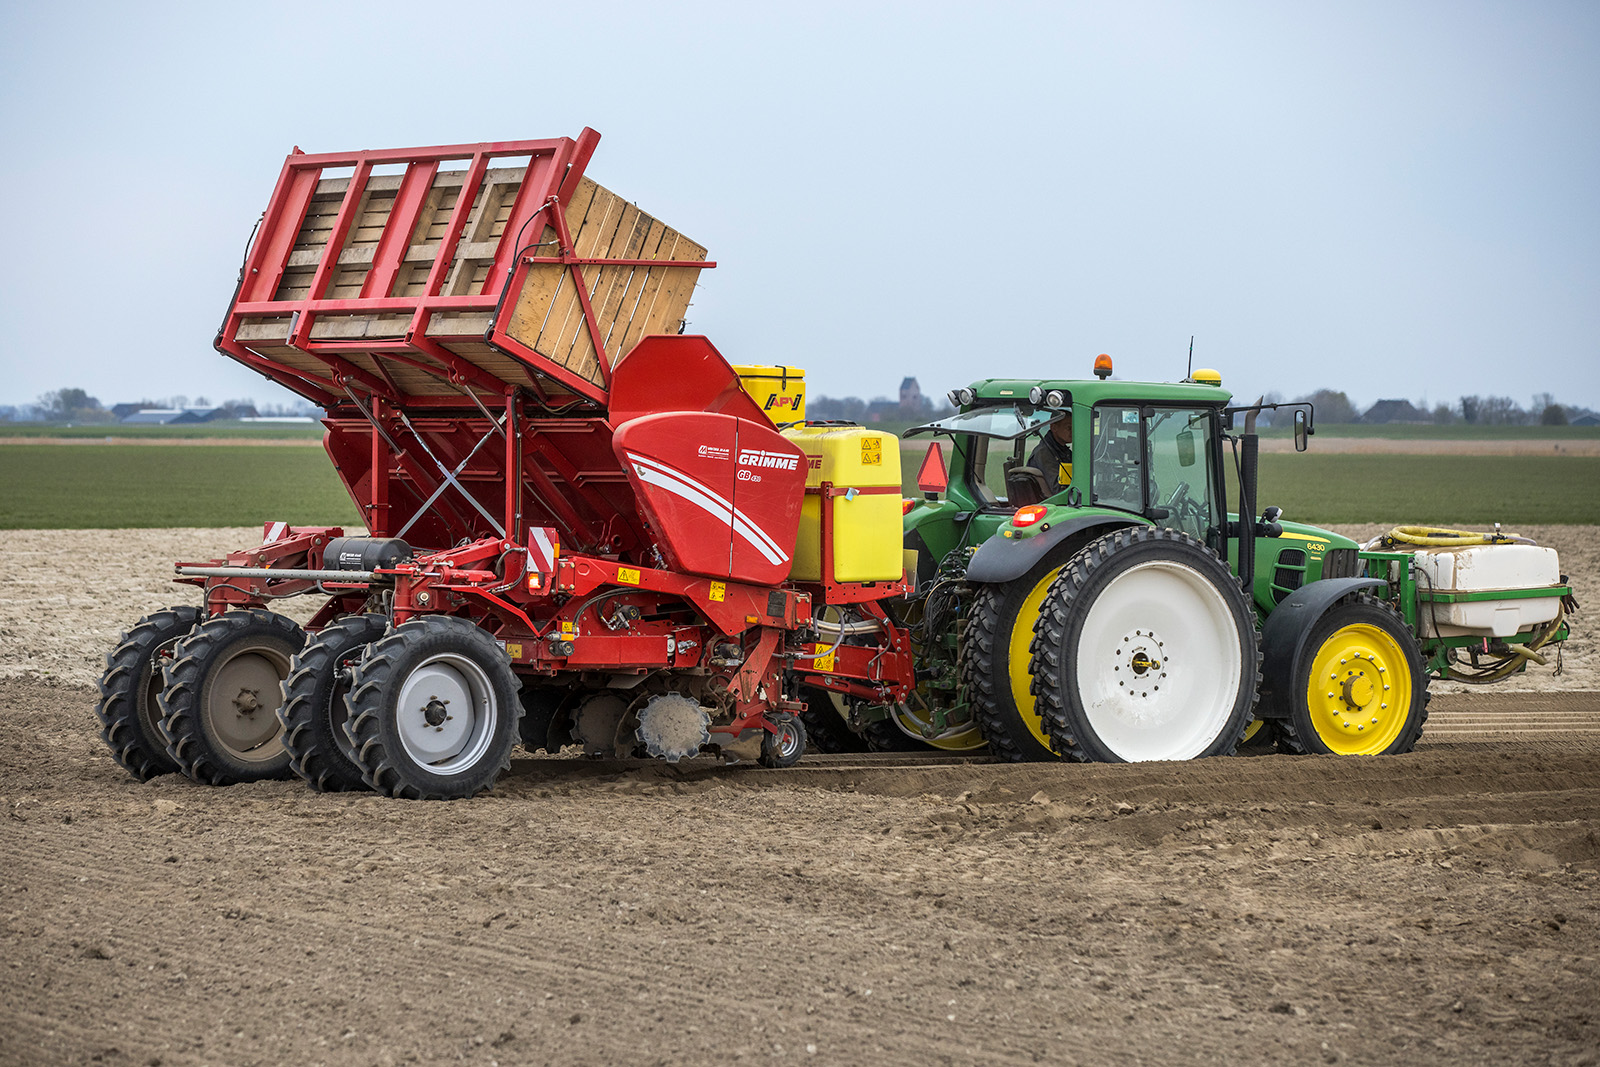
(1439, 537)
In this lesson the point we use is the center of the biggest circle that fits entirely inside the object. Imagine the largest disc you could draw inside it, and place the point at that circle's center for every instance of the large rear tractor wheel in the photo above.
(1362, 686)
(314, 711)
(219, 708)
(434, 712)
(130, 720)
(995, 662)
(1146, 650)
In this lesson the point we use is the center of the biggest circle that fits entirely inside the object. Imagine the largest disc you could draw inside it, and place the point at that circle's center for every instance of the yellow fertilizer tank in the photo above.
(781, 391)
(866, 523)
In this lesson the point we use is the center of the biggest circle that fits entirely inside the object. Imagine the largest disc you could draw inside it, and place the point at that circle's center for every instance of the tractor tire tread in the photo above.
(1049, 687)
(314, 755)
(180, 715)
(127, 671)
(984, 634)
(372, 677)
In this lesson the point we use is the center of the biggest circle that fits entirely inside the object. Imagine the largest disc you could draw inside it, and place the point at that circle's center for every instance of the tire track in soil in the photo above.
(772, 892)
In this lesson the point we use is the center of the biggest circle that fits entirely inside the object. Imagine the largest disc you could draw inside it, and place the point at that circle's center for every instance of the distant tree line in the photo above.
(75, 405)
(1333, 406)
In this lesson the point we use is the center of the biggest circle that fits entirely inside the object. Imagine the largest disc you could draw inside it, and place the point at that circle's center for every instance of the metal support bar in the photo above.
(450, 478)
(348, 577)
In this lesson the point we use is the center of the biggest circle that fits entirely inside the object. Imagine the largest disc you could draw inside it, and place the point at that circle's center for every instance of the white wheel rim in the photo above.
(1158, 663)
(446, 714)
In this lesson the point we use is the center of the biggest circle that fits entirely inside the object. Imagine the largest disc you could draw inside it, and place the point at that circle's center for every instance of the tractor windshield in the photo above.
(1006, 423)
(1161, 463)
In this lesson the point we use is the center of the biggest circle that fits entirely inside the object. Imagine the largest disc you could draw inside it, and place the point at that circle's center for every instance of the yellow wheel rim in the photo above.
(1359, 693)
(1020, 660)
(1251, 730)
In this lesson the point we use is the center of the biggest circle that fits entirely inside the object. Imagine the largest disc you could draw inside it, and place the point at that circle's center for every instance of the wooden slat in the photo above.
(664, 296)
(564, 340)
(544, 285)
(574, 347)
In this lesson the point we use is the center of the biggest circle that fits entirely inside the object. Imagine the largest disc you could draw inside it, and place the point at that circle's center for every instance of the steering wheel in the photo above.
(1187, 510)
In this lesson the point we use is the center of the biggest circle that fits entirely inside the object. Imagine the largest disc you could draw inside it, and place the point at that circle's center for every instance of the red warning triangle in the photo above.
(931, 476)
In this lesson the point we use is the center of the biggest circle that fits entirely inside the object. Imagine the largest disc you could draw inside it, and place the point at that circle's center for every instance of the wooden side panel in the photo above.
(628, 302)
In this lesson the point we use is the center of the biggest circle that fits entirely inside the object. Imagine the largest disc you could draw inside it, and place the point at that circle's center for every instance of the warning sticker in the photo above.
(823, 663)
(628, 575)
(872, 451)
(719, 591)
(566, 627)
(513, 650)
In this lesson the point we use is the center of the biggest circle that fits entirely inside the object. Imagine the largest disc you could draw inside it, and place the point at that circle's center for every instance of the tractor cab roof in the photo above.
(1093, 391)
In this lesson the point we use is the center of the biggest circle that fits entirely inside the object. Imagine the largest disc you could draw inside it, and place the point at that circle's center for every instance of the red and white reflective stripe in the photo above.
(272, 531)
(653, 472)
(543, 549)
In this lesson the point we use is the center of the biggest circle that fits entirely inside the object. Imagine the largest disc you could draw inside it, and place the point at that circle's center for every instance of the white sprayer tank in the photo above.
(1481, 569)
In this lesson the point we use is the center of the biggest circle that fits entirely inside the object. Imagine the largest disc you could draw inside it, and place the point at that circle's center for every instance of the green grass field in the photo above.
(121, 486)
(90, 486)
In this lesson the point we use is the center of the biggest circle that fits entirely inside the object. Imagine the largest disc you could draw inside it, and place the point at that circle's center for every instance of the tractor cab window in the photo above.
(1160, 463)
(1001, 447)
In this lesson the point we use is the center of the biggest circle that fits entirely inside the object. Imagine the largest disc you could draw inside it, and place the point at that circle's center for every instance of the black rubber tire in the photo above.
(379, 684)
(130, 717)
(191, 708)
(1062, 624)
(826, 730)
(984, 661)
(314, 711)
(784, 748)
(1297, 732)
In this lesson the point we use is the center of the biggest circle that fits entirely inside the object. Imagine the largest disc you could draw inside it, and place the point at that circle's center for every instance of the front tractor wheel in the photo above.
(1362, 686)
(995, 662)
(130, 719)
(434, 712)
(219, 708)
(1146, 650)
(314, 710)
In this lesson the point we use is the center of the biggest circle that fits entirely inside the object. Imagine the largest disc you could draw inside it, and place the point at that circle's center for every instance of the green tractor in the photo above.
(1083, 591)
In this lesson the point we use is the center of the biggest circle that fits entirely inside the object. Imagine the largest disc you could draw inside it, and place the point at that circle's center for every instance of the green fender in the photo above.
(1000, 559)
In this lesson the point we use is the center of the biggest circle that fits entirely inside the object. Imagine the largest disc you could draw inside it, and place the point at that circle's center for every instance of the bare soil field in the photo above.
(1433, 907)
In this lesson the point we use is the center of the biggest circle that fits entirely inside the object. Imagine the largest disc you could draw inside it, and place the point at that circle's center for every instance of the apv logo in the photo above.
(781, 402)
(750, 457)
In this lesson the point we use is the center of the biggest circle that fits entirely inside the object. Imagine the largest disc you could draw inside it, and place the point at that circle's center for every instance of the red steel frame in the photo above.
(554, 168)
(383, 446)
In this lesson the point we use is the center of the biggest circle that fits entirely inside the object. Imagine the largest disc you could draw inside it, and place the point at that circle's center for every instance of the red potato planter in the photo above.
(569, 505)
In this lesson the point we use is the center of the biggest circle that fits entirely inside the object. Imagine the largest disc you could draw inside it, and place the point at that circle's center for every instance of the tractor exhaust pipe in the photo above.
(1248, 466)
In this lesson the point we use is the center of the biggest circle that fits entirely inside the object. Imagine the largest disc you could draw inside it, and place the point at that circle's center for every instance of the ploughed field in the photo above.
(1432, 907)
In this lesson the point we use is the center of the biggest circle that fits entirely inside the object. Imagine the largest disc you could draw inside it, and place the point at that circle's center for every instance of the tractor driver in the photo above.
(1053, 455)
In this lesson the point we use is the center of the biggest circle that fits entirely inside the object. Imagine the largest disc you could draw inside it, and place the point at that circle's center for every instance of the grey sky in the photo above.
(1394, 199)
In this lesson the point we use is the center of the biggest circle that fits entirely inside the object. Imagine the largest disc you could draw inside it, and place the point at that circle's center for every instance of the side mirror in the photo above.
(1300, 429)
(1186, 448)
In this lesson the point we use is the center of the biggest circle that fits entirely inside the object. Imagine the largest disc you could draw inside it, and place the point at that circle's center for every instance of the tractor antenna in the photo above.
(1188, 375)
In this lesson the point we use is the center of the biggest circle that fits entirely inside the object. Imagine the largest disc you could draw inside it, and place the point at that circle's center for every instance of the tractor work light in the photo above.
(1036, 396)
(962, 397)
(1055, 398)
(1028, 515)
(1102, 366)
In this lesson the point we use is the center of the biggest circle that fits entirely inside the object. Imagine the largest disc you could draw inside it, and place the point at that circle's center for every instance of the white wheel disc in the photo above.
(1158, 663)
(446, 713)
